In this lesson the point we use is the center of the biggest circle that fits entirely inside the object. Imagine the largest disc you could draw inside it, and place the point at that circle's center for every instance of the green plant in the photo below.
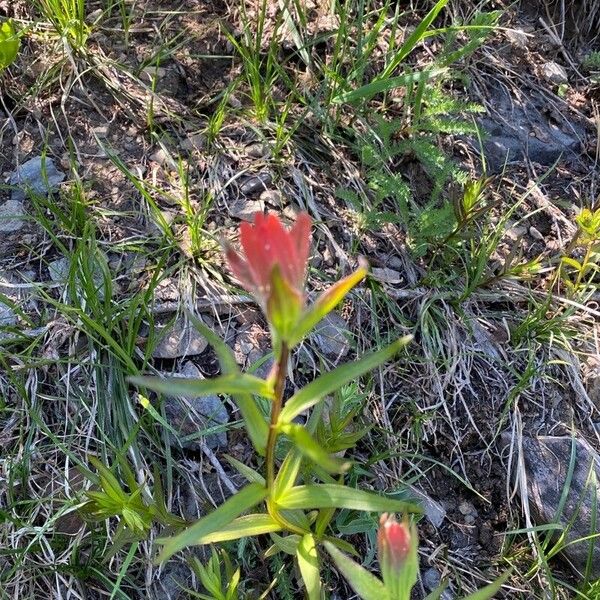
(68, 19)
(579, 275)
(299, 493)
(137, 510)
(219, 585)
(9, 44)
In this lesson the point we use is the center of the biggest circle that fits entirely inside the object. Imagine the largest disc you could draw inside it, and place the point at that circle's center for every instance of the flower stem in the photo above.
(280, 378)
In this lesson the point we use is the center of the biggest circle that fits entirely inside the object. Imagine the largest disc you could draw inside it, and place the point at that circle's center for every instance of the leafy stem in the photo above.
(280, 379)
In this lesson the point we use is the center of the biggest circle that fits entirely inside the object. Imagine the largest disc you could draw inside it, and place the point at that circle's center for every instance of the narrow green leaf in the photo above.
(437, 593)
(250, 474)
(256, 426)
(324, 304)
(308, 561)
(413, 39)
(366, 585)
(307, 445)
(288, 472)
(245, 499)
(235, 383)
(490, 590)
(384, 85)
(9, 44)
(246, 526)
(288, 544)
(310, 394)
(328, 495)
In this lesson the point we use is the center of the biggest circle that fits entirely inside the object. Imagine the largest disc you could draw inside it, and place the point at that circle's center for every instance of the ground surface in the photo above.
(164, 151)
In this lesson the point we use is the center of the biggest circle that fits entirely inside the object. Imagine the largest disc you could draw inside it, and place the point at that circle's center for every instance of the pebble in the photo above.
(547, 463)
(555, 73)
(245, 209)
(11, 216)
(37, 175)
(179, 339)
(331, 336)
(386, 275)
(194, 142)
(190, 415)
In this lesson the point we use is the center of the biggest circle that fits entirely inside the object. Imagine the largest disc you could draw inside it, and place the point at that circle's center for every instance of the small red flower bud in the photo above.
(274, 262)
(393, 540)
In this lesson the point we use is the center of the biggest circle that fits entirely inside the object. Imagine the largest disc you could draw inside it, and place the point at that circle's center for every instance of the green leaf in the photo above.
(308, 561)
(572, 263)
(235, 383)
(246, 526)
(324, 304)
(9, 44)
(288, 544)
(489, 590)
(245, 499)
(250, 474)
(329, 495)
(366, 585)
(384, 85)
(312, 450)
(310, 394)
(413, 39)
(288, 472)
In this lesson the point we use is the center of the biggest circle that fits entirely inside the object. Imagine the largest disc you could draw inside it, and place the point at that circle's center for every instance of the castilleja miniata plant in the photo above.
(293, 494)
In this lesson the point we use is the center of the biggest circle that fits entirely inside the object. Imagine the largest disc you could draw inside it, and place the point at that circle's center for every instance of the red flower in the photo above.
(267, 244)
(394, 542)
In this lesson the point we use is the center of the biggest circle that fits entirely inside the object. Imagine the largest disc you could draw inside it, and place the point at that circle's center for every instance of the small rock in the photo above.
(257, 150)
(194, 142)
(431, 579)
(517, 37)
(434, 511)
(245, 209)
(191, 415)
(466, 508)
(37, 175)
(546, 461)
(331, 336)
(174, 577)
(255, 184)
(60, 268)
(179, 339)
(555, 73)
(162, 158)
(11, 216)
(536, 234)
(274, 198)
(386, 275)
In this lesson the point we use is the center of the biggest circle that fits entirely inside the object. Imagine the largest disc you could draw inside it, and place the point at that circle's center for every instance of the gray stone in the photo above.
(11, 216)
(520, 128)
(194, 142)
(60, 268)
(386, 275)
(38, 175)
(431, 579)
(245, 209)
(190, 415)
(8, 316)
(517, 37)
(546, 461)
(172, 580)
(555, 73)
(331, 336)
(179, 339)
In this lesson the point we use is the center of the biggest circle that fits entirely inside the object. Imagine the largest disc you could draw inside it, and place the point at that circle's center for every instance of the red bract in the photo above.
(393, 541)
(267, 244)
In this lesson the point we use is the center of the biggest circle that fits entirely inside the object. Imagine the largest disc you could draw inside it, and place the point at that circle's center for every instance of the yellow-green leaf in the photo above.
(307, 445)
(235, 383)
(244, 500)
(324, 304)
(365, 584)
(9, 44)
(328, 495)
(246, 526)
(312, 393)
(308, 561)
